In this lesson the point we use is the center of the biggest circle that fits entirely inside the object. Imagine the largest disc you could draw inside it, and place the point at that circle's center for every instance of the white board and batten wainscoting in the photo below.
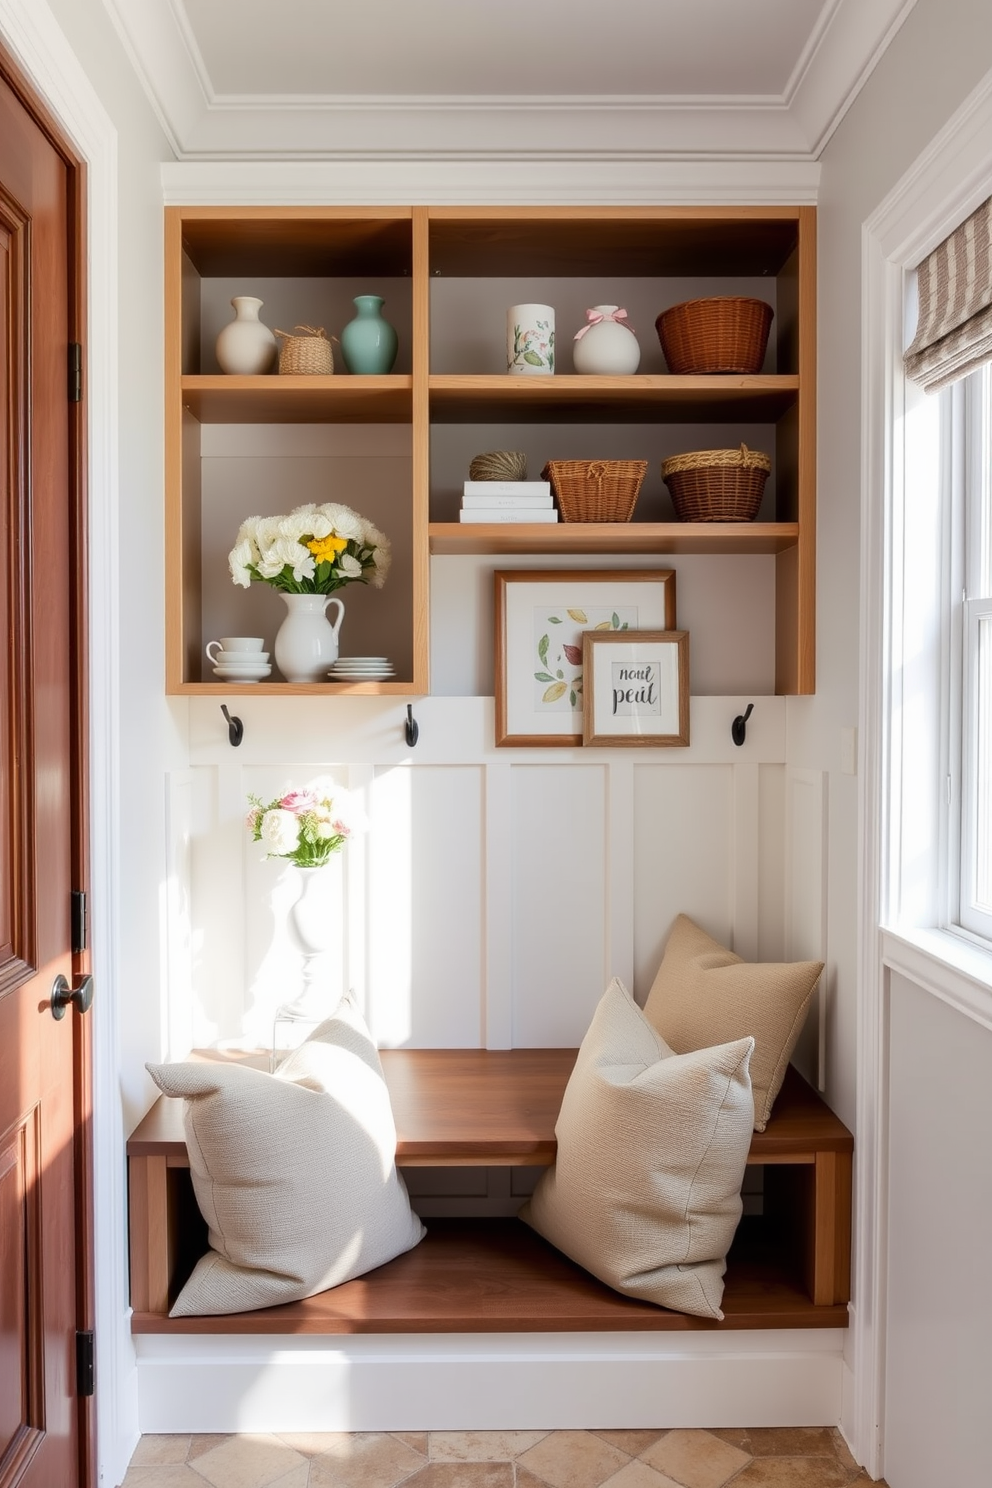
(496, 894)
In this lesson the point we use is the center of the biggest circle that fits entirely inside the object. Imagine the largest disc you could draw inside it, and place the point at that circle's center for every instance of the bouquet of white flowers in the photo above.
(313, 550)
(305, 826)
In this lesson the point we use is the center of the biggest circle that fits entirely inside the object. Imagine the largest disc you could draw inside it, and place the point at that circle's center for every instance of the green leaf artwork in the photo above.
(543, 677)
(542, 650)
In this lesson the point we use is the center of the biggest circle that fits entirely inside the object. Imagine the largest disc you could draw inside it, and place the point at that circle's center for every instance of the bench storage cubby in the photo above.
(789, 1267)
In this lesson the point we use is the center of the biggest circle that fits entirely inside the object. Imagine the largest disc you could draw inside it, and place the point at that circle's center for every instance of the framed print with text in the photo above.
(636, 687)
(541, 618)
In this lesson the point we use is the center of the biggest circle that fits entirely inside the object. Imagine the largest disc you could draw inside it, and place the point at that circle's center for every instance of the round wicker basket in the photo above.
(306, 352)
(508, 465)
(717, 485)
(723, 333)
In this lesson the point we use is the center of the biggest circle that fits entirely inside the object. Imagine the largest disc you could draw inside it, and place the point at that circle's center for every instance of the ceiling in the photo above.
(526, 79)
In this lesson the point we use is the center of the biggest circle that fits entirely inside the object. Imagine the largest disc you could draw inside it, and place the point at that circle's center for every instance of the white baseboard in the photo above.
(229, 1383)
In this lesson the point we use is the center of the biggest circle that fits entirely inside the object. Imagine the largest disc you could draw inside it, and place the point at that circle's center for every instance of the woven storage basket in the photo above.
(717, 485)
(305, 353)
(595, 490)
(725, 333)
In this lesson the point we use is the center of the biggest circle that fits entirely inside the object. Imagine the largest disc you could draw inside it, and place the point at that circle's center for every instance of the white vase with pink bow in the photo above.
(606, 345)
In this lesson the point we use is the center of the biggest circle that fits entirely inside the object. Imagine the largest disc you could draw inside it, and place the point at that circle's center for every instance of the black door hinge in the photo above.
(75, 372)
(84, 1363)
(78, 899)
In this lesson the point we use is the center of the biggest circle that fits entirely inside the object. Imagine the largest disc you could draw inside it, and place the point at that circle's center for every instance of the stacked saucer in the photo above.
(362, 669)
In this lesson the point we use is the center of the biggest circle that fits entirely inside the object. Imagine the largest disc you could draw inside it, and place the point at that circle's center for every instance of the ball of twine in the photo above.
(499, 465)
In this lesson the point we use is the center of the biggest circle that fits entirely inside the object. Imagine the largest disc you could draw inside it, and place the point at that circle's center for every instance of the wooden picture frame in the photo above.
(636, 688)
(541, 616)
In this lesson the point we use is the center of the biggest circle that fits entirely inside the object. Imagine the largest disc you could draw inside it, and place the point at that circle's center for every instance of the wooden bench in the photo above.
(790, 1267)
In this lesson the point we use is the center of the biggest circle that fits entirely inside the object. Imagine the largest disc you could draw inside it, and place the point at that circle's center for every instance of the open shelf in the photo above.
(612, 537)
(498, 1276)
(219, 399)
(638, 399)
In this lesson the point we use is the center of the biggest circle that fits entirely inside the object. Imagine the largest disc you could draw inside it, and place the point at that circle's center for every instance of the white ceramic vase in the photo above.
(315, 930)
(307, 643)
(606, 347)
(530, 340)
(246, 347)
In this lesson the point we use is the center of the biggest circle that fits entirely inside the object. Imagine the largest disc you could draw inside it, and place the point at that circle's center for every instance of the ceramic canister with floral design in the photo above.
(530, 340)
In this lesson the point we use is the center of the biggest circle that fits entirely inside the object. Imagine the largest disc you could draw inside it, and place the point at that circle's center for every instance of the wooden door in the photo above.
(43, 1230)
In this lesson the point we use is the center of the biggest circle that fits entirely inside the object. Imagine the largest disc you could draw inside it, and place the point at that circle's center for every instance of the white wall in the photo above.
(940, 54)
(151, 728)
(499, 889)
(940, 1237)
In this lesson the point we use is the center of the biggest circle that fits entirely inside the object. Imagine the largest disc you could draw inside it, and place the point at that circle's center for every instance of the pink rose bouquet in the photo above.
(305, 826)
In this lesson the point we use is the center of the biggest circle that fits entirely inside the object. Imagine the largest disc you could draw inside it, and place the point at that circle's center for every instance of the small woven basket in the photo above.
(596, 490)
(306, 352)
(503, 465)
(725, 333)
(717, 485)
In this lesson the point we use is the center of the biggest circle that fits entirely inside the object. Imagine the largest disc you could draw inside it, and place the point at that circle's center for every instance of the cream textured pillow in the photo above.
(294, 1172)
(704, 994)
(645, 1189)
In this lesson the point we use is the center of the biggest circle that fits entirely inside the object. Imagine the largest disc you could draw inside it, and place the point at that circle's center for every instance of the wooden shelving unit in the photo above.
(441, 383)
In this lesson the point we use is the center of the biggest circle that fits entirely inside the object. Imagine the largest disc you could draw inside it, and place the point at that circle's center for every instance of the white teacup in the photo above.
(242, 643)
(231, 647)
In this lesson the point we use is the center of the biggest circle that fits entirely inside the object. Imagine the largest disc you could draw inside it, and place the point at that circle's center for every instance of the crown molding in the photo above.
(842, 55)
(490, 183)
(202, 124)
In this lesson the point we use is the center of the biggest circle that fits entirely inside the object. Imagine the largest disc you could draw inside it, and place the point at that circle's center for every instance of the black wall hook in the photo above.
(412, 726)
(235, 728)
(738, 729)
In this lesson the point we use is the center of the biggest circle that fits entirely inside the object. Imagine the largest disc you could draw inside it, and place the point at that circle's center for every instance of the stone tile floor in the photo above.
(803, 1457)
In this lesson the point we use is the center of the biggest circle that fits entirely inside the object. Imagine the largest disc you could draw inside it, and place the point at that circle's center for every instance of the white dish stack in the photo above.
(362, 669)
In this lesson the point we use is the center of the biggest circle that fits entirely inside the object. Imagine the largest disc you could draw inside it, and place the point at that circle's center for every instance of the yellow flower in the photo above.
(326, 549)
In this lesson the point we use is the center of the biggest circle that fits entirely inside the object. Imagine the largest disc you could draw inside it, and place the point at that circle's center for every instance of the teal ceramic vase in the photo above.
(368, 343)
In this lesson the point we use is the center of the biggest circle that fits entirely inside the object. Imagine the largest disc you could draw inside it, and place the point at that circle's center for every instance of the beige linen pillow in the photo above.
(704, 994)
(294, 1172)
(645, 1188)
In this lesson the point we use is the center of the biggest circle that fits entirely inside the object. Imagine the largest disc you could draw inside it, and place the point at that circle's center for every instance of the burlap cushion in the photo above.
(645, 1189)
(294, 1172)
(704, 994)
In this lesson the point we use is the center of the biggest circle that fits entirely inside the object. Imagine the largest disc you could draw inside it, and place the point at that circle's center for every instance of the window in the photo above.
(965, 456)
(974, 655)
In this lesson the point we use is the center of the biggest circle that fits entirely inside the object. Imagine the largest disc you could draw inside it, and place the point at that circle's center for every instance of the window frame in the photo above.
(969, 709)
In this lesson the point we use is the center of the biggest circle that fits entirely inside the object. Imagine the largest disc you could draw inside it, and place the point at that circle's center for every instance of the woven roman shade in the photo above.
(954, 334)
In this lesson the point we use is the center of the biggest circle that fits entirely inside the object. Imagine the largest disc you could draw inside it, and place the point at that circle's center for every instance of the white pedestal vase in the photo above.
(316, 930)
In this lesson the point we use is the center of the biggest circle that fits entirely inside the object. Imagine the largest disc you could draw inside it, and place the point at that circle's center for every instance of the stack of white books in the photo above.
(508, 501)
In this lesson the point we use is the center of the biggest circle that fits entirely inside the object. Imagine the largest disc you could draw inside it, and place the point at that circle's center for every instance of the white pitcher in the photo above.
(307, 643)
